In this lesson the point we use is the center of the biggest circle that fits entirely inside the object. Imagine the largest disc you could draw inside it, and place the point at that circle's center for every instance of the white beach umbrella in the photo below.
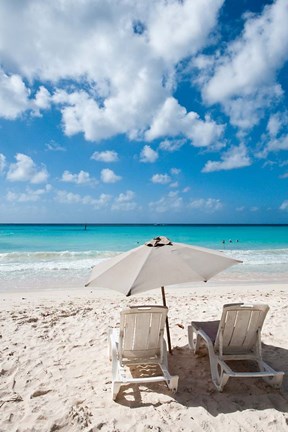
(156, 264)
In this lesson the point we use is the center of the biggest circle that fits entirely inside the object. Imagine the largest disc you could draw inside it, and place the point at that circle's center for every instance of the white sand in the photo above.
(55, 374)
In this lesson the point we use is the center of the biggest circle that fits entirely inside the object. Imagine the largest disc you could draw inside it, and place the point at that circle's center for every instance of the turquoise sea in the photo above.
(55, 256)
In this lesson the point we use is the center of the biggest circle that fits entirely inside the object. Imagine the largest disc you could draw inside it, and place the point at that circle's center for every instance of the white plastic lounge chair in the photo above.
(237, 336)
(139, 341)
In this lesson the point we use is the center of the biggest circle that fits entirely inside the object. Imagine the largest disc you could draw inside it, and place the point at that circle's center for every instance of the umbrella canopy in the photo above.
(157, 263)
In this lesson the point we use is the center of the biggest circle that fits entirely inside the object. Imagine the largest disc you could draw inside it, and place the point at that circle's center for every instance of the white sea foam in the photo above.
(67, 268)
(259, 256)
(33, 260)
(84, 259)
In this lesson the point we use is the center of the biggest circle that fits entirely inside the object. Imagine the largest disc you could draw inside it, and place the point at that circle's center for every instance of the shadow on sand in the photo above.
(197, 390)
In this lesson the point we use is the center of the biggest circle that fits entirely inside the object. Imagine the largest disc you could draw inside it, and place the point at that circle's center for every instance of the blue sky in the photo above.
(144, 111)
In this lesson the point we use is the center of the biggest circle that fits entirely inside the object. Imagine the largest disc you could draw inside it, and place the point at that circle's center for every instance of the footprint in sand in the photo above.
(38, 393)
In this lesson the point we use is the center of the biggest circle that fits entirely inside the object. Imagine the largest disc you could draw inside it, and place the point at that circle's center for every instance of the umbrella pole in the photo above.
(167, 322)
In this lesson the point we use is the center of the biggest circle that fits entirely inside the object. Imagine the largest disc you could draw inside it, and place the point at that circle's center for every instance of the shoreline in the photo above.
(39, 284)
(173, 289)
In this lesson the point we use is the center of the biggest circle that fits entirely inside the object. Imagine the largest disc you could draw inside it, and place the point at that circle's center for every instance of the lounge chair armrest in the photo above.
(206, 338)
(195, 343)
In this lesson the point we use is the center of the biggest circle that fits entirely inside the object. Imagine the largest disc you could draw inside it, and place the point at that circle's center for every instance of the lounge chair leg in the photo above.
(219, 380)
(171, 380)
(115, 389)
(173, 383)
(219, 376)
(193, 343)
(222, 382)
(276, 379)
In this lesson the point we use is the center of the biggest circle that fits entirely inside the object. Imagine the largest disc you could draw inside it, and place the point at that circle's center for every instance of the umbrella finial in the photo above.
(159, 241)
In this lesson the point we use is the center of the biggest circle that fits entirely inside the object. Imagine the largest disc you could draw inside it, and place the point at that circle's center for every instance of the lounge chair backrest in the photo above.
(239, 327)
(141, 332)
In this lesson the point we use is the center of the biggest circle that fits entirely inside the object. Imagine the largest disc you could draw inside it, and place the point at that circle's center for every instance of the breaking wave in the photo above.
(84, 260)
(64, 260)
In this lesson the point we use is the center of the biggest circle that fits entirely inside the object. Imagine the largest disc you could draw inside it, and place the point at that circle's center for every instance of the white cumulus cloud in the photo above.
(244, 78)
(174, 120)
(172, 145)
(13, 96)
(171, 202)
(53, 146)
(161, 178)
(209, 205)
(108, 176)
(276, 138)
(42, 99)
(125, 201)
(179, 29)
(25, 169)
(124, 197)
(148, 155)
(30, 195)
(66, 197)
(278, 144)
(82, 177)
(274, 125)
(102, 201)
(127, 74)
(235, 157)
(105, 156)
